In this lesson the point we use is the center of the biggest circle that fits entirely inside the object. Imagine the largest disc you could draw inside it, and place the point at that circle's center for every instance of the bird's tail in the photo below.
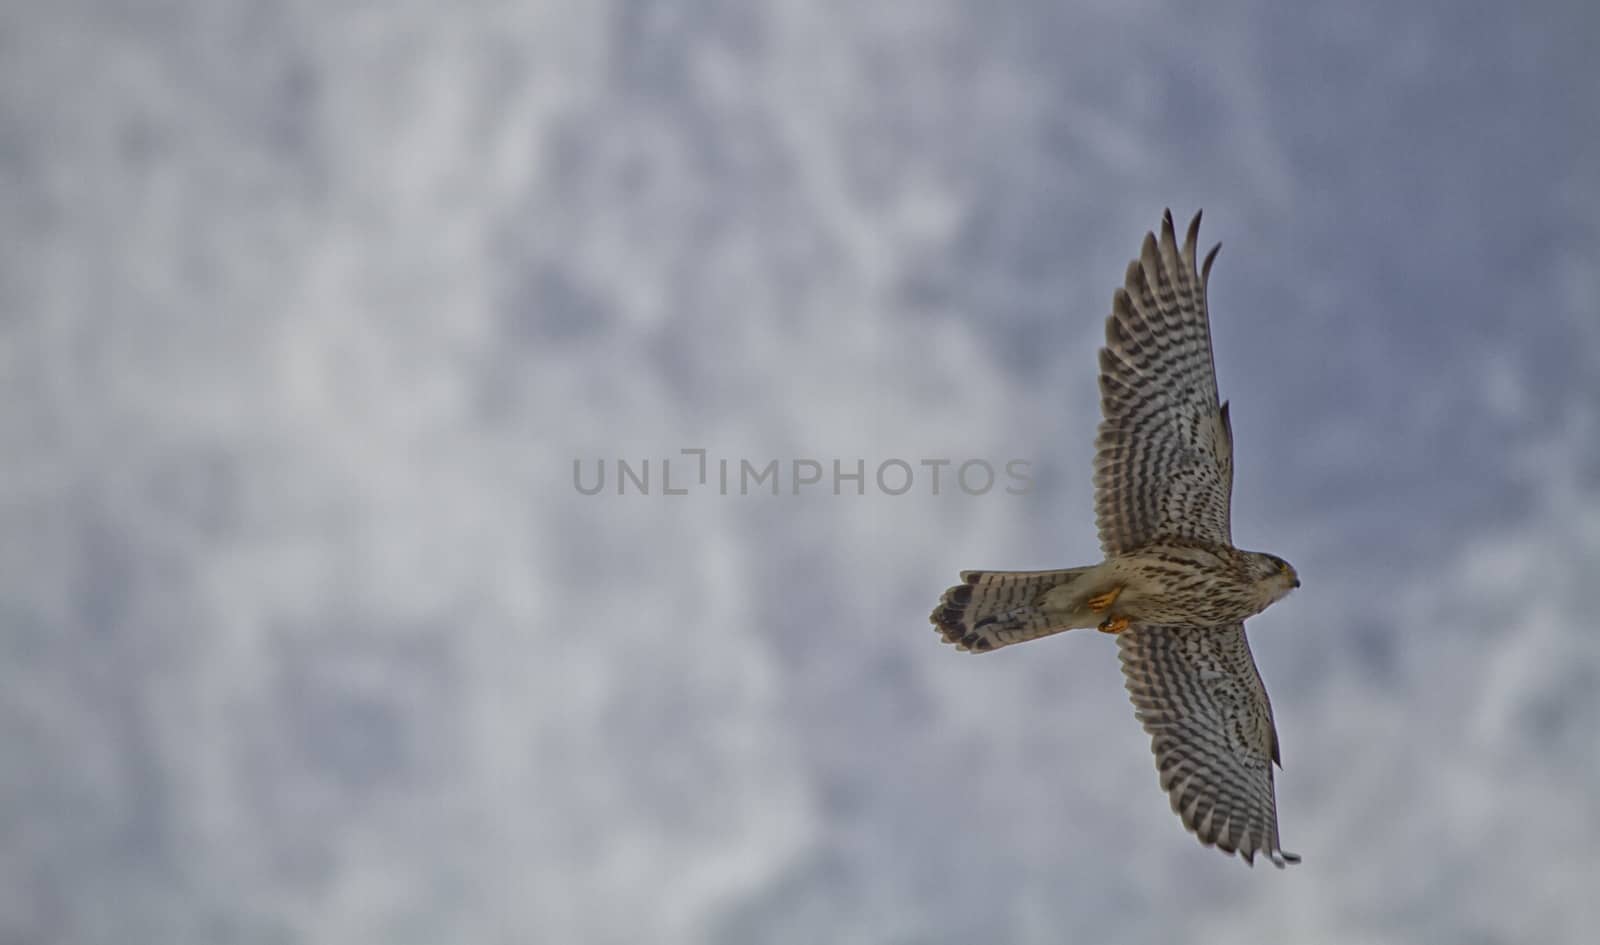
(991, 609)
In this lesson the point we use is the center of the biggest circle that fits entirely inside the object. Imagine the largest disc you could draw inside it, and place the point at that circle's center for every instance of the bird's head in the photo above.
(1275, 577)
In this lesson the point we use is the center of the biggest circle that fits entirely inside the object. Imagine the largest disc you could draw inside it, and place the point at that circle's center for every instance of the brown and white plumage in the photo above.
(1172, 586)
(990, 609)
(1163, 464)
(1198, 694)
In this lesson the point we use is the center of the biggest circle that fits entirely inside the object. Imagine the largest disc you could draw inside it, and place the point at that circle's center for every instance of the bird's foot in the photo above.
(1100, 602)
(1114, 625)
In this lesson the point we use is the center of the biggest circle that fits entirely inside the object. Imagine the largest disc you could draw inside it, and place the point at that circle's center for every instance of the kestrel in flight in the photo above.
(1173, 588)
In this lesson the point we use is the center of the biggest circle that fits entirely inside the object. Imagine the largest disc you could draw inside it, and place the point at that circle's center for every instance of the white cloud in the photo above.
(309, 636)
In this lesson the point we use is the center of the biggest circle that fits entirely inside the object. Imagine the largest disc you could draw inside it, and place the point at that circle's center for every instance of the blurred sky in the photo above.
(306, 310)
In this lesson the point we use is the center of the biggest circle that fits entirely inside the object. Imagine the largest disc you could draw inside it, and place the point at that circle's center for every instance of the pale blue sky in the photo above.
(307, 308)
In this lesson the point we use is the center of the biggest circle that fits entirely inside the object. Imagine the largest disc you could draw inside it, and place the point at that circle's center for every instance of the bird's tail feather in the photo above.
(991, 609)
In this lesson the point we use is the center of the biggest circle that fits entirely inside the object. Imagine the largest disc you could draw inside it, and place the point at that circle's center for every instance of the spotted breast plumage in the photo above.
(1172, 588)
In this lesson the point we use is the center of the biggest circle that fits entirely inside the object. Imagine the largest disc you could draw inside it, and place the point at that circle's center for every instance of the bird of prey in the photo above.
(1172, 588)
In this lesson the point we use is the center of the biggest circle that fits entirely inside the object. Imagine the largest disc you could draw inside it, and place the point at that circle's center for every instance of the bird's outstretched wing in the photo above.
(1197, 692)
(1164, 454)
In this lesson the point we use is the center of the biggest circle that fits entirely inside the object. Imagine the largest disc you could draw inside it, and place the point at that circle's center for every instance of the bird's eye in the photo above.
(1283, 566)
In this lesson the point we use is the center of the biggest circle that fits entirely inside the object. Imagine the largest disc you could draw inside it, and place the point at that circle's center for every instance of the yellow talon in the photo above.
(1114, 625)
(1100, 602)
